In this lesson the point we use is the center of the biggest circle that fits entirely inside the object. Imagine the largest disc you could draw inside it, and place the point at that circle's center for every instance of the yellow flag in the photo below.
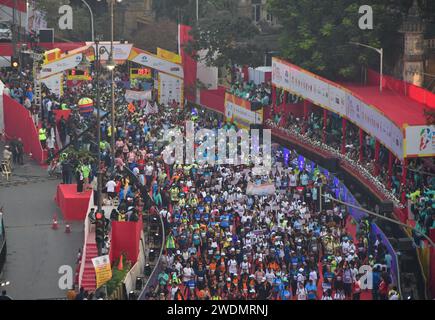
(168, 55)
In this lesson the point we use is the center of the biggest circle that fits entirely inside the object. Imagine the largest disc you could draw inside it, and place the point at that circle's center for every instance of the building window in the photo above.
(256, 12)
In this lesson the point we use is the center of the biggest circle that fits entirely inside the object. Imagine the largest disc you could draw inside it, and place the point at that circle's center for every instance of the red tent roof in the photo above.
(398, 107)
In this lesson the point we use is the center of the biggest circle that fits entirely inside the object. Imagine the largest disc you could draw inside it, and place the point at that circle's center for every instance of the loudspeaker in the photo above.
(147, 270)
(386, 207)
(132, 295)
(405, 244)
(139, 283)
(332, 164)
(46, 35)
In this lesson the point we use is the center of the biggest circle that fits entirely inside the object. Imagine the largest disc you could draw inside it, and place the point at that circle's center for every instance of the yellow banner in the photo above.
(103, 270)
(168, 55)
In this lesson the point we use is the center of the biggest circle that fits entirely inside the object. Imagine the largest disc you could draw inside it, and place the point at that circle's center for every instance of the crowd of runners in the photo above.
(221, 243)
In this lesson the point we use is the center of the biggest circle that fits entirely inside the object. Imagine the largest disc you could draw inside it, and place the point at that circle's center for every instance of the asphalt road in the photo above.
(35, 251)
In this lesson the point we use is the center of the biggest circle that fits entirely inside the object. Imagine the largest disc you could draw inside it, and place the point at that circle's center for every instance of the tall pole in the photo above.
(92, 19)
(14, 34)
(381, 73)
(197, 11)
(112, 138)
(97, 71)
(381, 53)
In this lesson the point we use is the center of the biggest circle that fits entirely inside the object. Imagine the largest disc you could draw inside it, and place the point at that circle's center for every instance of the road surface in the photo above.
(35, 251)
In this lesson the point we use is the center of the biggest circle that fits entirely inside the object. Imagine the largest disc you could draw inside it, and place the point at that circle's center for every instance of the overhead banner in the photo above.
(152, 61)
(103, 270)
(420, 141)
(132, 95)
(61, 65)
(375, 123)
(263, 189)
(55, 84)
(170, 88)
(338, 100)
(121, 51)
(239, 110)
(168, 55)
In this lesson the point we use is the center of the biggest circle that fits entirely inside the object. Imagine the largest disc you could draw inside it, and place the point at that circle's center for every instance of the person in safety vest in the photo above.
(43, 136)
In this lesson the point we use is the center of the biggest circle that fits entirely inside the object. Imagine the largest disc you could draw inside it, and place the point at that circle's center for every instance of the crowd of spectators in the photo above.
(418, 192)
(221, 243)
(248, 90)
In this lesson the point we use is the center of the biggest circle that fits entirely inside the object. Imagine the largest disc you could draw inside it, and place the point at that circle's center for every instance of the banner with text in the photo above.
(103, 270)
(239, 110)
(338, 100)
(132, 95)
(61, 65)
(121, 51)
(263, 189)
(420, 141)
(169, 55)
(152, 61)
(55, 84)
(170, 88)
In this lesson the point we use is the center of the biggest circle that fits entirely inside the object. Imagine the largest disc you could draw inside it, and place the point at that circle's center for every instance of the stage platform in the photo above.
(73, 205)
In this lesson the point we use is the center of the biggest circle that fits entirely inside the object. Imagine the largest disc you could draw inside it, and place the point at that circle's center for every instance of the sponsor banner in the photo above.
(340, 101)
(169, 89)
(152, 61)
(263, 189)
(61, 65)
(103, 270)
(296, 81)
(168, 55)
(121, 51)
(375, 123)
(55, 84)
(132, 95)
(420, 141)
(239, 110)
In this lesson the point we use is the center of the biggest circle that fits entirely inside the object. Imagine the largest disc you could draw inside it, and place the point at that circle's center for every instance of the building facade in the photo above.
(419, 49)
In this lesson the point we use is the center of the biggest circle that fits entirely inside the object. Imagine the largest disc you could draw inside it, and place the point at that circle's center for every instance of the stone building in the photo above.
(419, 49)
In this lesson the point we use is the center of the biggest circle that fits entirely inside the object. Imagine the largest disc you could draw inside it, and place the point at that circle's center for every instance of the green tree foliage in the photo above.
(227, 37)
(316, 34)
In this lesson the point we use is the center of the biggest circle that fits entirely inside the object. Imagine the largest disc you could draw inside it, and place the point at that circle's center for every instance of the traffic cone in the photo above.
(67, 228)
(120, 264)
(54, 225)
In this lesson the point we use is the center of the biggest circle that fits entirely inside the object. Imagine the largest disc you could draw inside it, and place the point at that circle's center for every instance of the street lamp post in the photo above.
(92, 19)
(111, 67)
(112, 131)
(381, 53)
(97, 72)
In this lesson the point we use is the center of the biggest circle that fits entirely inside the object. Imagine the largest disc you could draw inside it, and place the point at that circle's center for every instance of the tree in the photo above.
(316, 34)
(162, 33)
(227, 39)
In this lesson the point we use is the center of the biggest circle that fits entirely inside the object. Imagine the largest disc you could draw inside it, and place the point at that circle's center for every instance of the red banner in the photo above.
(19, 124)
(126, 239)
(189, 64)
